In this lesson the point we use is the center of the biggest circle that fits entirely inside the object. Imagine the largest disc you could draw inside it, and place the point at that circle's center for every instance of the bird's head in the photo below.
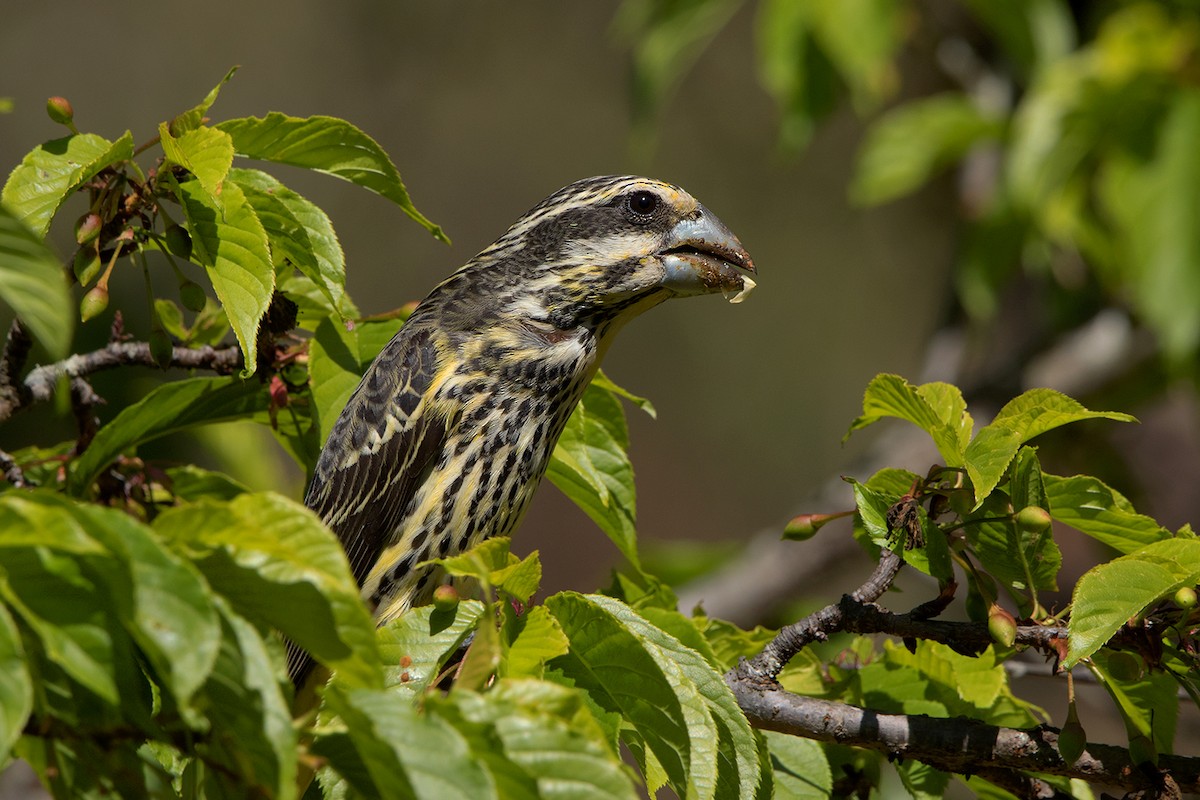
(604, 249)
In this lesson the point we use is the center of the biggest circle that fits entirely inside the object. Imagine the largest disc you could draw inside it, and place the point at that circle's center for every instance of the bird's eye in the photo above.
(643, 203)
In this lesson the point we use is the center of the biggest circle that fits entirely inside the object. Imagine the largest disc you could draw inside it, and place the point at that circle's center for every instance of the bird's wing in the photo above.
(381, 449)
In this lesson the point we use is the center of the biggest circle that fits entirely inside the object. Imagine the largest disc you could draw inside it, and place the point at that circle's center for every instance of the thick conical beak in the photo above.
(702, 256)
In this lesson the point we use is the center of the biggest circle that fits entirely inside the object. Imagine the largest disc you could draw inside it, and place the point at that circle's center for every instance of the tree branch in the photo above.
(961, 745)
(38, 385)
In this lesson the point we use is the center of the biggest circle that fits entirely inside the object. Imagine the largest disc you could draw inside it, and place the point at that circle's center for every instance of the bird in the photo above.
(451, 428)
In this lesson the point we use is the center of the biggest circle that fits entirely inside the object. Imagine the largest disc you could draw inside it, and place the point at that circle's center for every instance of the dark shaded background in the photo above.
(487, 108)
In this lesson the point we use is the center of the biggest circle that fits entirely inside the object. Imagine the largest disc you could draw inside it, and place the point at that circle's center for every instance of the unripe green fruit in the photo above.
(179, 242)
(800, 528)
(161, 348)
(59, 110)
(87, 265)
(1123, 666)
(192, 296)
(1185, 598)
(93, 303)
(87, 228)
(1002, 626)
(445, 598)
(1072, 741)
(1033, 519)
(1141, 750)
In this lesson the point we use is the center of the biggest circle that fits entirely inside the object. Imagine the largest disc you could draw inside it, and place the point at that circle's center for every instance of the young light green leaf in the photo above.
(1088, 505)
(426, 637)
(51, 172)
(16, 687)
(329, 145)
(275, 562)
(228, 240)
(1021, 419)
(539, 639)
(935, 408)
(1033, 33)
(301, 234)
(590, 466)
(1108, 595)
(207, 153)
(911, 144)
(190, 483)
(605, 382)
(31, 282)
(406, 754)
(168, 408)
(194, 116)
(1023, 562)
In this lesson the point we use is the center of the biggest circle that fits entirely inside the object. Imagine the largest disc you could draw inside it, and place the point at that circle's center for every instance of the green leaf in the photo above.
(329, 145)
(1024, 563)
(675, 700)
(801, 770)
(539, 639)
(666, 39)
(228, 240)
(168, 408)
(194, 116)
(72, 611)
(190, 483)
(52, 171)
(33, 284)
(1088, 505)
(1155, 208)
(252, 735)
(171, 616)
(406, 754)
(861, 38)
(1108, 595)
(1033, 33)
(207, 153)
(590, 466)
(908, 146)
(300, 233)
(795, 69)
(427, 637)
(548, 733)
(276, 563)
(1149, 704)
(936, 408)
(604, 382)
(1024, 417)
(16, 687)
(337, 359)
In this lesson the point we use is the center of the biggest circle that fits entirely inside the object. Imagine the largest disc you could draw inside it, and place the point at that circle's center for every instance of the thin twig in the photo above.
(38, 385)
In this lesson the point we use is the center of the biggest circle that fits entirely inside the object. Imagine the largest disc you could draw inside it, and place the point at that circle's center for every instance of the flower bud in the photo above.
(87, 228)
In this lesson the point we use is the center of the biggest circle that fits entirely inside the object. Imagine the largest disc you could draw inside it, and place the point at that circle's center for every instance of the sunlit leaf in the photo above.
(52, 171)
(325, 144)
(32, 283)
